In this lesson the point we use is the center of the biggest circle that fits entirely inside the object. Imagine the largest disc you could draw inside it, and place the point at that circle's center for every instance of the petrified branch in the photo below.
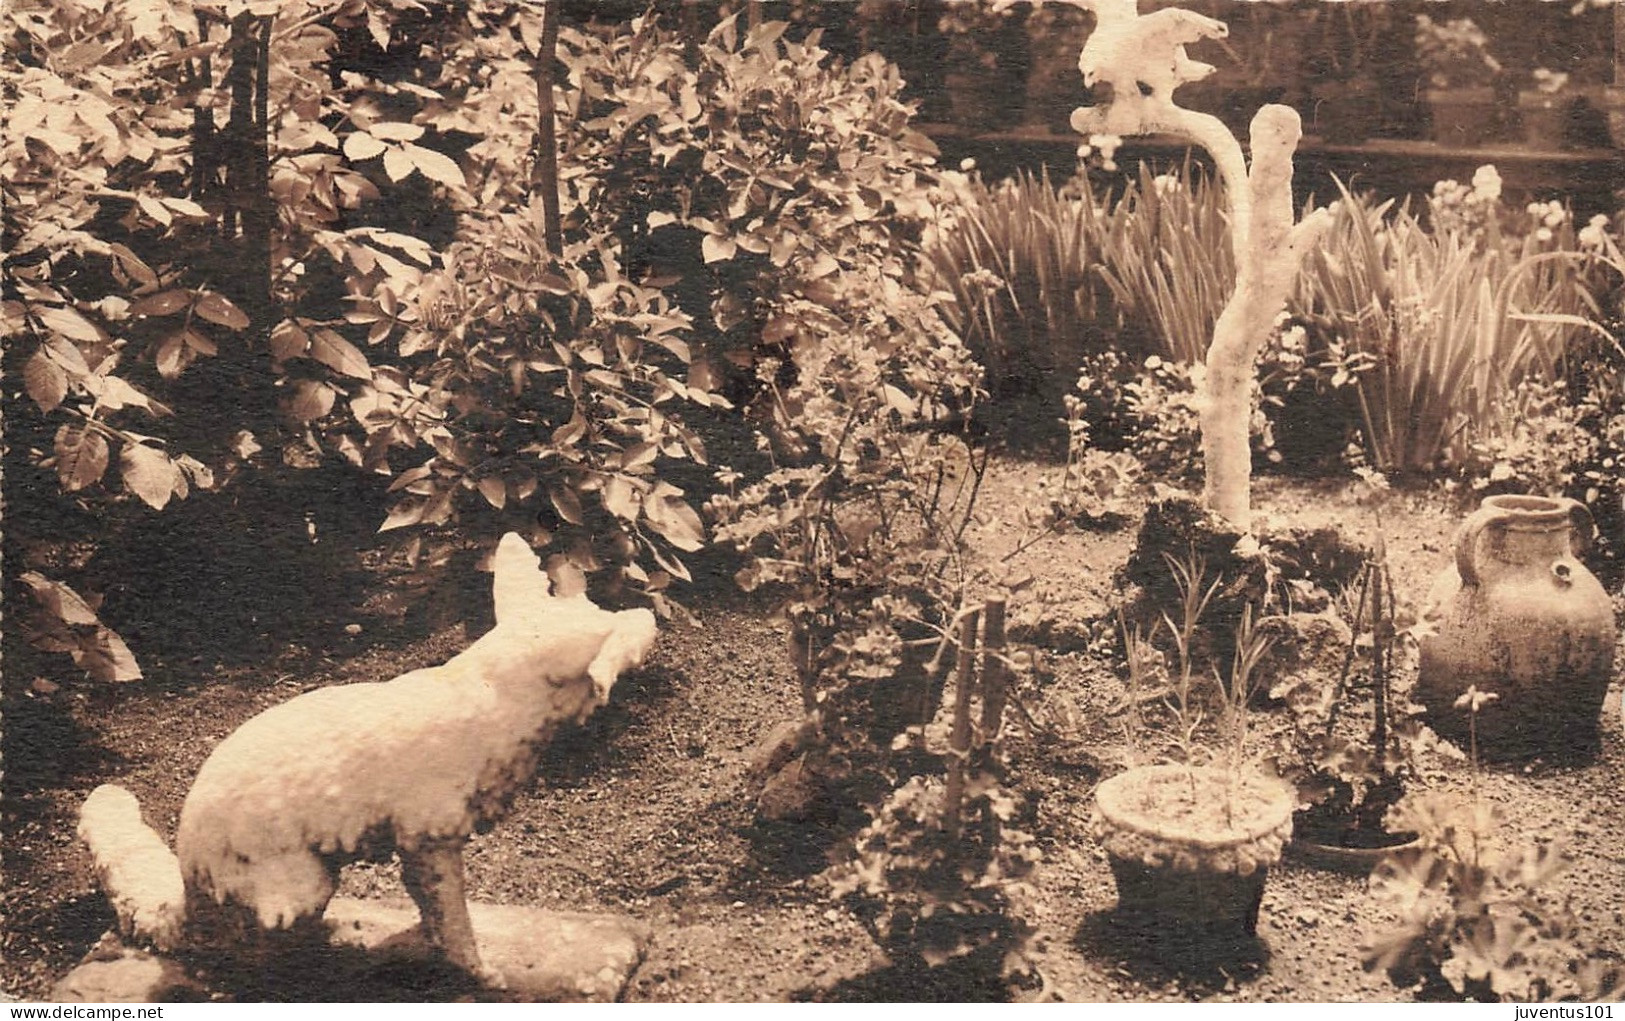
(1143, 59)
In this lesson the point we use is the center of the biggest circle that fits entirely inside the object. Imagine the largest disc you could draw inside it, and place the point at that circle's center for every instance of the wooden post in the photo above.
(995, 674)
(547, 141)
(959, 741)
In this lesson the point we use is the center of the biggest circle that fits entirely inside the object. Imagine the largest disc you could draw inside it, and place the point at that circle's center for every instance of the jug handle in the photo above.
(1582, 524)
(1467, 541)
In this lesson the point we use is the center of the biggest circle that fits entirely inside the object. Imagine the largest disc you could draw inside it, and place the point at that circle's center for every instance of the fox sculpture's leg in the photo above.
(433, 874)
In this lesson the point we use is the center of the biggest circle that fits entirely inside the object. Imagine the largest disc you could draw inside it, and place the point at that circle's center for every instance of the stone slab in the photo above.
(114, 973)
(540, 955)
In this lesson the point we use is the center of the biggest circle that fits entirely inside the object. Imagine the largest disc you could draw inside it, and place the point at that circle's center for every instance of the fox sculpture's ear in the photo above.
(519, 581)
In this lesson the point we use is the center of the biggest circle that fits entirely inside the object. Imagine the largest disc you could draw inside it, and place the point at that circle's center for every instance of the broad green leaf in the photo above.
(289, 340)
(566, 503)
(396, 131)
(397, 164)
(107, 659)
(362, 146)
(66, 354)
(202, 475)
(244, 445)
(416, 249)
(530, 31)
(60, 142)
(45, 381)
(59, 599)
(69, 323)
(403, 515)
(155, 209)
(164, 303)
(378, 28)
(81, 456)
(309, 401)
(494, 490)
(186, 207)
(435, 166)
(217, 308)
(638, 454)
(620, 497)
(716, 248)
(149, 474)
(118, 393)
(201, 343)
(173, 355)
(676, 522)
(339, 354)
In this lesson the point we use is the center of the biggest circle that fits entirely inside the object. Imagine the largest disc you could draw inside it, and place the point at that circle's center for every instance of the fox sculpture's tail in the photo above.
(139, 873)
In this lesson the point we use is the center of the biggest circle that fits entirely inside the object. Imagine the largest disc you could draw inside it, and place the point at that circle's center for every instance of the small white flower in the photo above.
(967, 164)
(1487, 182)
(1595, 232)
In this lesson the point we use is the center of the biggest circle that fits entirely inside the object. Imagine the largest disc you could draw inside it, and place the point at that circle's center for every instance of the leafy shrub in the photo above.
(856, 533)
(1150, 412)
(940, 873)
(1478, 919)
(925, 893)
(151, 249)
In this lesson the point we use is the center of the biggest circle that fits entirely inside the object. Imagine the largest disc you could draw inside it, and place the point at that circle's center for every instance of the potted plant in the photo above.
(1559, 114)
(1349, 746)
(1462, 76)
(985, 63)
(1190, 841)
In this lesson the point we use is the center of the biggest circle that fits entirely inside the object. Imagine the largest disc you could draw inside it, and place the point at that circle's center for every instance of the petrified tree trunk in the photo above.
(1268, 260)
(1143, 58)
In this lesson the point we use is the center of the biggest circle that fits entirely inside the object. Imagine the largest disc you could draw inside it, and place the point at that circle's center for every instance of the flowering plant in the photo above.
(1455, 53)
(1549, 82)
(972, 28)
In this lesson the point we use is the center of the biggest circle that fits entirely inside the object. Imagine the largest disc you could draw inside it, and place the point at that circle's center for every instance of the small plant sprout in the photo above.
(1251, 648)
(1189, 574)
(1145, 667)
(1473, 700)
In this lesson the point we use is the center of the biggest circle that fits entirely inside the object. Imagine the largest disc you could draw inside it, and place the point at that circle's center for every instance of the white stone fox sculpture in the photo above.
(412, 765)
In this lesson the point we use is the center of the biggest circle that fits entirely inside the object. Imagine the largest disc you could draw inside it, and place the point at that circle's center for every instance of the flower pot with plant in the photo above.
(986, 63)
(1191, 841)
(1462, 80)
(1349, 746)
(1556, 113)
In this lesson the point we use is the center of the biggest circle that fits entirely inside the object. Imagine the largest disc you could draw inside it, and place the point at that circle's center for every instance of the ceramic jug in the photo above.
(1524, 620)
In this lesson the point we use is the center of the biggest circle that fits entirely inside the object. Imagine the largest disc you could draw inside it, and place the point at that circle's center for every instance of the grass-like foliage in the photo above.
(1442, 322)
(1045, 275)
(1020, 258)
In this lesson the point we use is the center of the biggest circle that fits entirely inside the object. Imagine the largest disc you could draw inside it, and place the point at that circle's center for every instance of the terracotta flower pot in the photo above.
(1191, 848)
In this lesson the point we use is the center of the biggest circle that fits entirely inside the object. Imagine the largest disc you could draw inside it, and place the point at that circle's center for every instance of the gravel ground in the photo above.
(647, 810)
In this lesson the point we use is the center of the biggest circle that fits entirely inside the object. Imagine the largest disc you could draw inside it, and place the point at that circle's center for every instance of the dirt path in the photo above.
(647, 810)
